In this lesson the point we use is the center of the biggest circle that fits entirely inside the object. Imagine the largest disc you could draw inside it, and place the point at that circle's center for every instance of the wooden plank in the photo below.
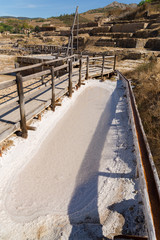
(8, 107)
(8, 131)
(97, 58)
(7, 84)
(37, 100)
(46, 72)
(35, 75)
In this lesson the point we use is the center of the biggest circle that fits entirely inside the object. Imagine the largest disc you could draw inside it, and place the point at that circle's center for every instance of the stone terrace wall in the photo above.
(100, 30)
(85, 25)
(153, 44)
(128, 28)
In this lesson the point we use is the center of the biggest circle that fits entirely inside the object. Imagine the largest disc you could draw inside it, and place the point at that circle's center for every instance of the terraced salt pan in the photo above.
(74, 178)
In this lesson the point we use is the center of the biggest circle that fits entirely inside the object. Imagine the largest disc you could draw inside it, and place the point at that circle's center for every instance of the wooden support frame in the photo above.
(47, 89)
(53, 97)
(70, 42)
(21, 105)
(70, 79)
(87, 68)
(77, 31)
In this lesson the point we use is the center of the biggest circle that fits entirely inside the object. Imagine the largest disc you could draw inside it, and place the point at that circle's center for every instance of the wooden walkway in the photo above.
(26, 96)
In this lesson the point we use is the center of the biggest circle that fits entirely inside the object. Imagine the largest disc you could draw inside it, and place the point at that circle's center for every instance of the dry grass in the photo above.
(146, 81)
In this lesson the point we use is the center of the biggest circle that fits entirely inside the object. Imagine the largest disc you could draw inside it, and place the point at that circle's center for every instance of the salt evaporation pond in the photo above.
(79, 181)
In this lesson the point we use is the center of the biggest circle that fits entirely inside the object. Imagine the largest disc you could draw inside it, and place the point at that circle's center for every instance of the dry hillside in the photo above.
(146, 82)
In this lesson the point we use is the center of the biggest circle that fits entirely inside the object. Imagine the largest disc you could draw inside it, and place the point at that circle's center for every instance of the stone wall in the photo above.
(153, 44)
(128, 28)
(147, 33)
(85, 25)
(100, 30)
(105, 42)
(81, 41)
(126, 43)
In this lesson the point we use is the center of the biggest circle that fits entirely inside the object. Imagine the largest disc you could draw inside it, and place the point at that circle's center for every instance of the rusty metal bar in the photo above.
(149, 174)
(130, 237)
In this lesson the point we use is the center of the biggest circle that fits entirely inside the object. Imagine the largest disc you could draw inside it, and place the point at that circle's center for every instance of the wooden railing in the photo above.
(45, 81)
(47, 49)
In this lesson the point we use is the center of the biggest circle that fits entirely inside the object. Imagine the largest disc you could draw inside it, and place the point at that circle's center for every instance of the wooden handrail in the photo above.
(26, 97)
(21, 69)
(10, 83)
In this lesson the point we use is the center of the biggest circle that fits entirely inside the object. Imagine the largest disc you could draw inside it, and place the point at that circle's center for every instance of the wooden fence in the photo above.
(29, 95)
(45, 49)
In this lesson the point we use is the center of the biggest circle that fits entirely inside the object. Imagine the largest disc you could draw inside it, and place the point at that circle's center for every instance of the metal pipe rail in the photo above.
(149, 181)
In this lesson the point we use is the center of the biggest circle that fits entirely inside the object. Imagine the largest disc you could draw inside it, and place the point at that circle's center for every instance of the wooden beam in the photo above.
(102, 77)
(77, 30)
(114, 66)
(70, 79)
(45, 72)
(42, 77)
(87, 68)
(80, 72)
(53, 90)
(71, 35)
(21, 105)
(31, 128)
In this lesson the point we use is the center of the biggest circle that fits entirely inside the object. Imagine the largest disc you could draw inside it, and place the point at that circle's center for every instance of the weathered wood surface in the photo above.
(21, 105)
(40, 98)
(50, 62)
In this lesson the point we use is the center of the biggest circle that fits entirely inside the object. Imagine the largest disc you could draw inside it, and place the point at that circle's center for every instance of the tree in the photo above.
(37, 29)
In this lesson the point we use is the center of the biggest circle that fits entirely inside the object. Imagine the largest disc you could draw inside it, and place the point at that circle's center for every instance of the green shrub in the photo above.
(146, 1)
(5, 27)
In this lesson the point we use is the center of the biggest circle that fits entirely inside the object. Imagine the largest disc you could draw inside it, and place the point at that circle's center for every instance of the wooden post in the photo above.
(72, 44)
(114, 66)
(102, 78)
(56, 64)
(70, 79)
(77, 30)
(87, 68)
(16, 65)
(42, 78)
(53, 99)
(80, 72)
(21, 105)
